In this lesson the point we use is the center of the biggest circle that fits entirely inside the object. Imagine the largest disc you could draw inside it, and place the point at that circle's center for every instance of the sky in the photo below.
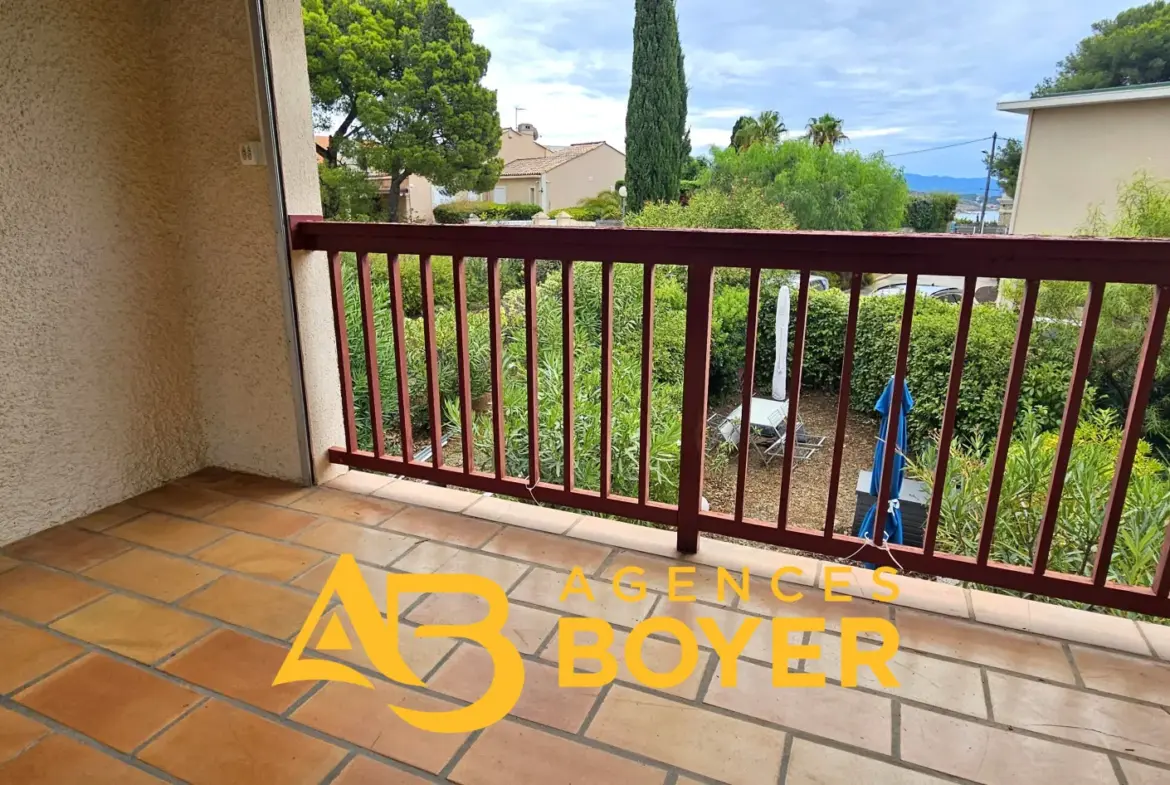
(904, 75)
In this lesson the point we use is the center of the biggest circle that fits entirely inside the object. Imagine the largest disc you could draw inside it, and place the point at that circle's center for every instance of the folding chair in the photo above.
(777, 421)
(804, 450)
(726, 431)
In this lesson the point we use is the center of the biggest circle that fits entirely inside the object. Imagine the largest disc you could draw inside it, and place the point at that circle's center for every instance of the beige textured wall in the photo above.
(294, 127)
(518, 189)
(586, 176)
(227, 240)
(515, 145)
(421, 207)
(1078, 156)
(141, 322)
(97, 394)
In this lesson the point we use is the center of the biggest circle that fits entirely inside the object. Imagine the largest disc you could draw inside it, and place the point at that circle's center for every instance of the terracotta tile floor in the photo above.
(138, 644)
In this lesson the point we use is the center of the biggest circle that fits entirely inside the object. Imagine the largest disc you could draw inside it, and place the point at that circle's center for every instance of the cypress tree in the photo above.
(656, 114)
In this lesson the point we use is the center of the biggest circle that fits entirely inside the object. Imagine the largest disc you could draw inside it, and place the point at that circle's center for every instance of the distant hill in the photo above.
(929, 183)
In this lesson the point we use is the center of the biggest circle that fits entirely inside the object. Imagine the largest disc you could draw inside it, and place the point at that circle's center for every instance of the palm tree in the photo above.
(765, 129)
(826, 130)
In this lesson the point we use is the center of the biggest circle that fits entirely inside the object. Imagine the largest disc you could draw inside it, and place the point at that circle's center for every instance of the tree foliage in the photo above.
(764, 129)
(694, 170)
(1082, 508)
(1006, 165)
(931, 212)
(656, 114)
(826, 130)
(822, 188)
(347, 193)
(405, 75)
(606, 205)
(1132, 49)
(735, 129)
(740, 208)
(1143, 210)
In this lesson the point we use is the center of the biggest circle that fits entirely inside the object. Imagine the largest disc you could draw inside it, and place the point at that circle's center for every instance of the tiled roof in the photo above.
(529, 167)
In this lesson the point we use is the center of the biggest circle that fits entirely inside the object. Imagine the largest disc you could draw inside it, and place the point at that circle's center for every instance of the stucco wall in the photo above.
(515, 145)
(141, 322)
(97, 392)
(518, 189)
(294, 126)
(227, 241)
(1078, 156)
(421, 208)
(585, 176)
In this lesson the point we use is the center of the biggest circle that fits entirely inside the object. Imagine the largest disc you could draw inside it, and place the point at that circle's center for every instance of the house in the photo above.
(563, 177)
(553, 177)
(1080, 147)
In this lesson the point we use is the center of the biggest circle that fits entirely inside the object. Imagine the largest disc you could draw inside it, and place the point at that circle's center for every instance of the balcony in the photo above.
(157, 323)
(139, 645)
(518, 456)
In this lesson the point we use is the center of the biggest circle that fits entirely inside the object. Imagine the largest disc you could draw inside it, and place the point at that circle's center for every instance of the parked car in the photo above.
(948, 294)
(817, 283)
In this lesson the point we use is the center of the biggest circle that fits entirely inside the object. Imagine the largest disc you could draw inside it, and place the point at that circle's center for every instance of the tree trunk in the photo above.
(393, 196)
(334, 151)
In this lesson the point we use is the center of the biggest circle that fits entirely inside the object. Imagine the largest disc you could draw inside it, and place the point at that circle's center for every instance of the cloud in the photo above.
(721, 113)
(871, 133)
(903, 77)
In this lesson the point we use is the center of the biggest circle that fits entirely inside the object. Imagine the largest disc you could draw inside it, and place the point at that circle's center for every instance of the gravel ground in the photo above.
(810, 478)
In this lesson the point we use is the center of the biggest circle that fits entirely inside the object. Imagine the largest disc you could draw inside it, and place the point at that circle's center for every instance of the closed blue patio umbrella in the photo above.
(894, 519)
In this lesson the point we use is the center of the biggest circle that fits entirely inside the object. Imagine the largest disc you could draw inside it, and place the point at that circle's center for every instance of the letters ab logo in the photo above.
(378, 636)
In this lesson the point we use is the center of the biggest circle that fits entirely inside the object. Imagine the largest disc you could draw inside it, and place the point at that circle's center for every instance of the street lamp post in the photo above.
(622, 193)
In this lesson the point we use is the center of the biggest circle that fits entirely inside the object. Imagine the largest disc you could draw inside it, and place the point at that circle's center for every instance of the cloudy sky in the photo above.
(903, 75)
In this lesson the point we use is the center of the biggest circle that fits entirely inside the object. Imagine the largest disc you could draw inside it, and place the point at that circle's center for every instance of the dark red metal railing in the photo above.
(701, 252)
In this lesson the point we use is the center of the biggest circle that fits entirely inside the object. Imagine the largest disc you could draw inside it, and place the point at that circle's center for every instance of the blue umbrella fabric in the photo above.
(894, 519)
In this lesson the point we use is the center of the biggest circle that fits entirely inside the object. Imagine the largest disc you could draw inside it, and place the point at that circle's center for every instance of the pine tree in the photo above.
(656, 115)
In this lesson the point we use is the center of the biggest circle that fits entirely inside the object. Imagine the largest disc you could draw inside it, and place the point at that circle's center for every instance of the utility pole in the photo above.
(987, 186)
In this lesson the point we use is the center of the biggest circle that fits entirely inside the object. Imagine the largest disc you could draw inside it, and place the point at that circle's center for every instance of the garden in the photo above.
(991, 338)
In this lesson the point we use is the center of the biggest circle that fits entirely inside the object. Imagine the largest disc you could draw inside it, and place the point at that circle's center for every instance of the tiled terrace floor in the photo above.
(139, 645)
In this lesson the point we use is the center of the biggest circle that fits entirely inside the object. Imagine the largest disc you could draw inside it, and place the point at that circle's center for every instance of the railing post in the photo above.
(692, 448)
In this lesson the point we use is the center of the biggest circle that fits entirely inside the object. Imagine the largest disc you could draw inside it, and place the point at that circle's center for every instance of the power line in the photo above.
(940, 147)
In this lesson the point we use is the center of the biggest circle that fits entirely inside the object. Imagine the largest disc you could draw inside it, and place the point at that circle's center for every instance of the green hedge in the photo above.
(580, 213)
(992, 335)
(931, 212)
(460, 212)
(932, 341)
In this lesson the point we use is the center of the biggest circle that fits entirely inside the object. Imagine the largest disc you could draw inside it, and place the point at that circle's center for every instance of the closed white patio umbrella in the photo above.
(780, 370)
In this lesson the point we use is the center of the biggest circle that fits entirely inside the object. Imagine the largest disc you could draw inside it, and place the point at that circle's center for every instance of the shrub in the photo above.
(1026, 480)
(729, 312)
(932, 341)
(666, 392)
(606, 204)
(985, 372)
(930, 212)
(824, 344)
(347, 194)
(822, 188)
(1143, 210)
(577, 213)
(460, 212)
(739, 208)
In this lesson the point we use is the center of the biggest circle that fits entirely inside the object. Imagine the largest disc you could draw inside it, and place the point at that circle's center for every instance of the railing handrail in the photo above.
(1139, 260)
(1096, 261)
